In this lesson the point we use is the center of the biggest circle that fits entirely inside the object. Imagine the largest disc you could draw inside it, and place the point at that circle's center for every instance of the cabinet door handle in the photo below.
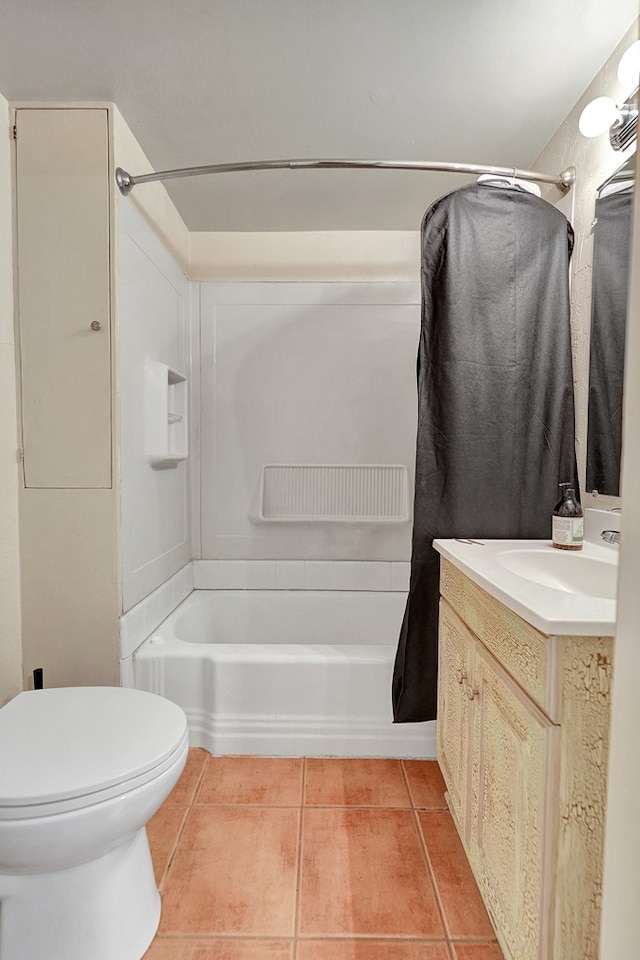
(471, 692)
(460, 677)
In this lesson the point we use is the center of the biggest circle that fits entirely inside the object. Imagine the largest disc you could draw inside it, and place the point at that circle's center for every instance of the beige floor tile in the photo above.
(464, 912)
(185, 788)
(426, 784)
(477, 951)
(363, 783)
(252, 780)
(234, 872)
(372, 950)
(363, 873)
(162, 831)
(190, 948)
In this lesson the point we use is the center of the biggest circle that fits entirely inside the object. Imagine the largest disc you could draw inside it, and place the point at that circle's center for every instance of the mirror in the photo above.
(611, 249)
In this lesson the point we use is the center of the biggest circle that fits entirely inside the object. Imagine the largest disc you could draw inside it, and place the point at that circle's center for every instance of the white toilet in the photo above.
(82, 770)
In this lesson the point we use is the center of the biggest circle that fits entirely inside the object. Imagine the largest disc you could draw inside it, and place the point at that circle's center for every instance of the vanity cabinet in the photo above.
(522, 742)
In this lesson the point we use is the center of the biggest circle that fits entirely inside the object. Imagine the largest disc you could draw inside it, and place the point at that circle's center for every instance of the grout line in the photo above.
(303, 793)
(188, 809)
(313, 806)
(386, 937)
(356, 806)
(226, 937)
(296, 913)
(407, 785)
(425, 849)
(425, 854)
(174, 850)
(196, 792)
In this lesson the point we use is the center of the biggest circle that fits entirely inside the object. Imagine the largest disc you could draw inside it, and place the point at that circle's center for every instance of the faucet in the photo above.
(611, 536)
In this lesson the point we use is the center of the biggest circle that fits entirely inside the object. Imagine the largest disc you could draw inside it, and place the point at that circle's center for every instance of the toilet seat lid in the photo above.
(70, 742)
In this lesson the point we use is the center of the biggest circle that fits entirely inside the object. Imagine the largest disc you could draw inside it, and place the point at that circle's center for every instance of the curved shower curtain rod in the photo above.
(126, 182)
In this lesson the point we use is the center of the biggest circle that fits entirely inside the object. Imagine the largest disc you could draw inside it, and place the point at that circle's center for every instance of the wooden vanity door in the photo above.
(513, 763)
(454, 729)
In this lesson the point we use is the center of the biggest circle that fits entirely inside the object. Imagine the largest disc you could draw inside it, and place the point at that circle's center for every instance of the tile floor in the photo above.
(272, 859)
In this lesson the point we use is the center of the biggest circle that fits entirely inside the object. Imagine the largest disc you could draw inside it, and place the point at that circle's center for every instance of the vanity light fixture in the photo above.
(629, 67)
(604, 114)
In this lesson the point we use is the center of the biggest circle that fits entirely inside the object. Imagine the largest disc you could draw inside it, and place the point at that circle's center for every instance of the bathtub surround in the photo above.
(142, 619)
(154, 317)
(304, 373)
(300, 575)
(10, 626)
(495, 396)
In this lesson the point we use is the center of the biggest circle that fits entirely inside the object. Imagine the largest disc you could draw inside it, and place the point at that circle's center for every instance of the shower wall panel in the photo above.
(154, 303)
(296, 374)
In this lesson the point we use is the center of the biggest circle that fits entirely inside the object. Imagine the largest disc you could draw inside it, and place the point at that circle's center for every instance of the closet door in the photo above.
(62, 203)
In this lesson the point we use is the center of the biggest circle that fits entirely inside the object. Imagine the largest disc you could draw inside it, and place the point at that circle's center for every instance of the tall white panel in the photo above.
(153, 312)
(304, 374)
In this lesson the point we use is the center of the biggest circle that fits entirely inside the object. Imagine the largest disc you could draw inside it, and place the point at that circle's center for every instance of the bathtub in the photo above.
(284, 673)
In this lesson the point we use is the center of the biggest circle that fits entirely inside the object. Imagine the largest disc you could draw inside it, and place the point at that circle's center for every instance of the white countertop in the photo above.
(550, 609)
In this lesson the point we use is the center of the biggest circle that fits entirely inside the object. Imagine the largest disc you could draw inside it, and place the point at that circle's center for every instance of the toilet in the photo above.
(82, 770)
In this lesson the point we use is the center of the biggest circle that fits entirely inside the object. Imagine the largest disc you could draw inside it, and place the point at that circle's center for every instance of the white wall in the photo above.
(154, 306)
(151, 199)
(303, 373)
(10, 643)
(348, 256)
(595, 160)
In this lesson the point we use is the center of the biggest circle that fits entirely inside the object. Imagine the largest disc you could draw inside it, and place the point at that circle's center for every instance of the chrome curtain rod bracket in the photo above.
(126, 182)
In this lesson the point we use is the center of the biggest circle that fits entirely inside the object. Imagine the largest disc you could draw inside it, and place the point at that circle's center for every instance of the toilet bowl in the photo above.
(82, 770)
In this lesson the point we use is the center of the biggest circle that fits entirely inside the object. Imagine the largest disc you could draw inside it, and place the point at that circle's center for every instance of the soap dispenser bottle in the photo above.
(567, 520)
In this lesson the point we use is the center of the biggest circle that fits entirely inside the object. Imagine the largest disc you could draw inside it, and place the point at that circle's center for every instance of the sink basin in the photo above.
(561, 593)
(572, 572)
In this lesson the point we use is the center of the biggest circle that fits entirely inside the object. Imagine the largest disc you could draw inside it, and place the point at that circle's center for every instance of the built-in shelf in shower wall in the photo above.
(345, 493)
(166, 420)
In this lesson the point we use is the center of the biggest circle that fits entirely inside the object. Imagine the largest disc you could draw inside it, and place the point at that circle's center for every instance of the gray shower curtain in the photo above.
(495, 397)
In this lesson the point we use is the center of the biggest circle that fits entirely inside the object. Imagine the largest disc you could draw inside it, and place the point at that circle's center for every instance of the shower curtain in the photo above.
(495, 397)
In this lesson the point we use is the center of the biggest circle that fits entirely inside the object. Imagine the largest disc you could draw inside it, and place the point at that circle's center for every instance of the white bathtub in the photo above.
(284, 673)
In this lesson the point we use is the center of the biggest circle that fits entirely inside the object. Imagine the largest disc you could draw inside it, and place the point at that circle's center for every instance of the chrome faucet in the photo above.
(611, 536)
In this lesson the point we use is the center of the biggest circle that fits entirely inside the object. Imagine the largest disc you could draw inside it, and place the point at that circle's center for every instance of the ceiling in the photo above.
(213, 81)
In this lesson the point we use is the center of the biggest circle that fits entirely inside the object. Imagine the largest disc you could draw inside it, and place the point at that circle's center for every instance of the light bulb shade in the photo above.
(629, 67)
(597, 116)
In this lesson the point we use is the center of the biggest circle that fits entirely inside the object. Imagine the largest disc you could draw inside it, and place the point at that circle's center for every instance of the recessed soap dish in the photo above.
(166, 420)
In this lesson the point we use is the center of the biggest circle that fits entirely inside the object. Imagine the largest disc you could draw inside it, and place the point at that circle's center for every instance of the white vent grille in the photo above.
(346, 492)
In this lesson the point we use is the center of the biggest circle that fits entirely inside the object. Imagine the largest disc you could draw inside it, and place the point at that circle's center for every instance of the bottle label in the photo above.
(568, 531)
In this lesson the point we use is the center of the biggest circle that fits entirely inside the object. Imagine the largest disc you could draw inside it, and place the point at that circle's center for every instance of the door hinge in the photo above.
(15, 131)
(21, 454)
